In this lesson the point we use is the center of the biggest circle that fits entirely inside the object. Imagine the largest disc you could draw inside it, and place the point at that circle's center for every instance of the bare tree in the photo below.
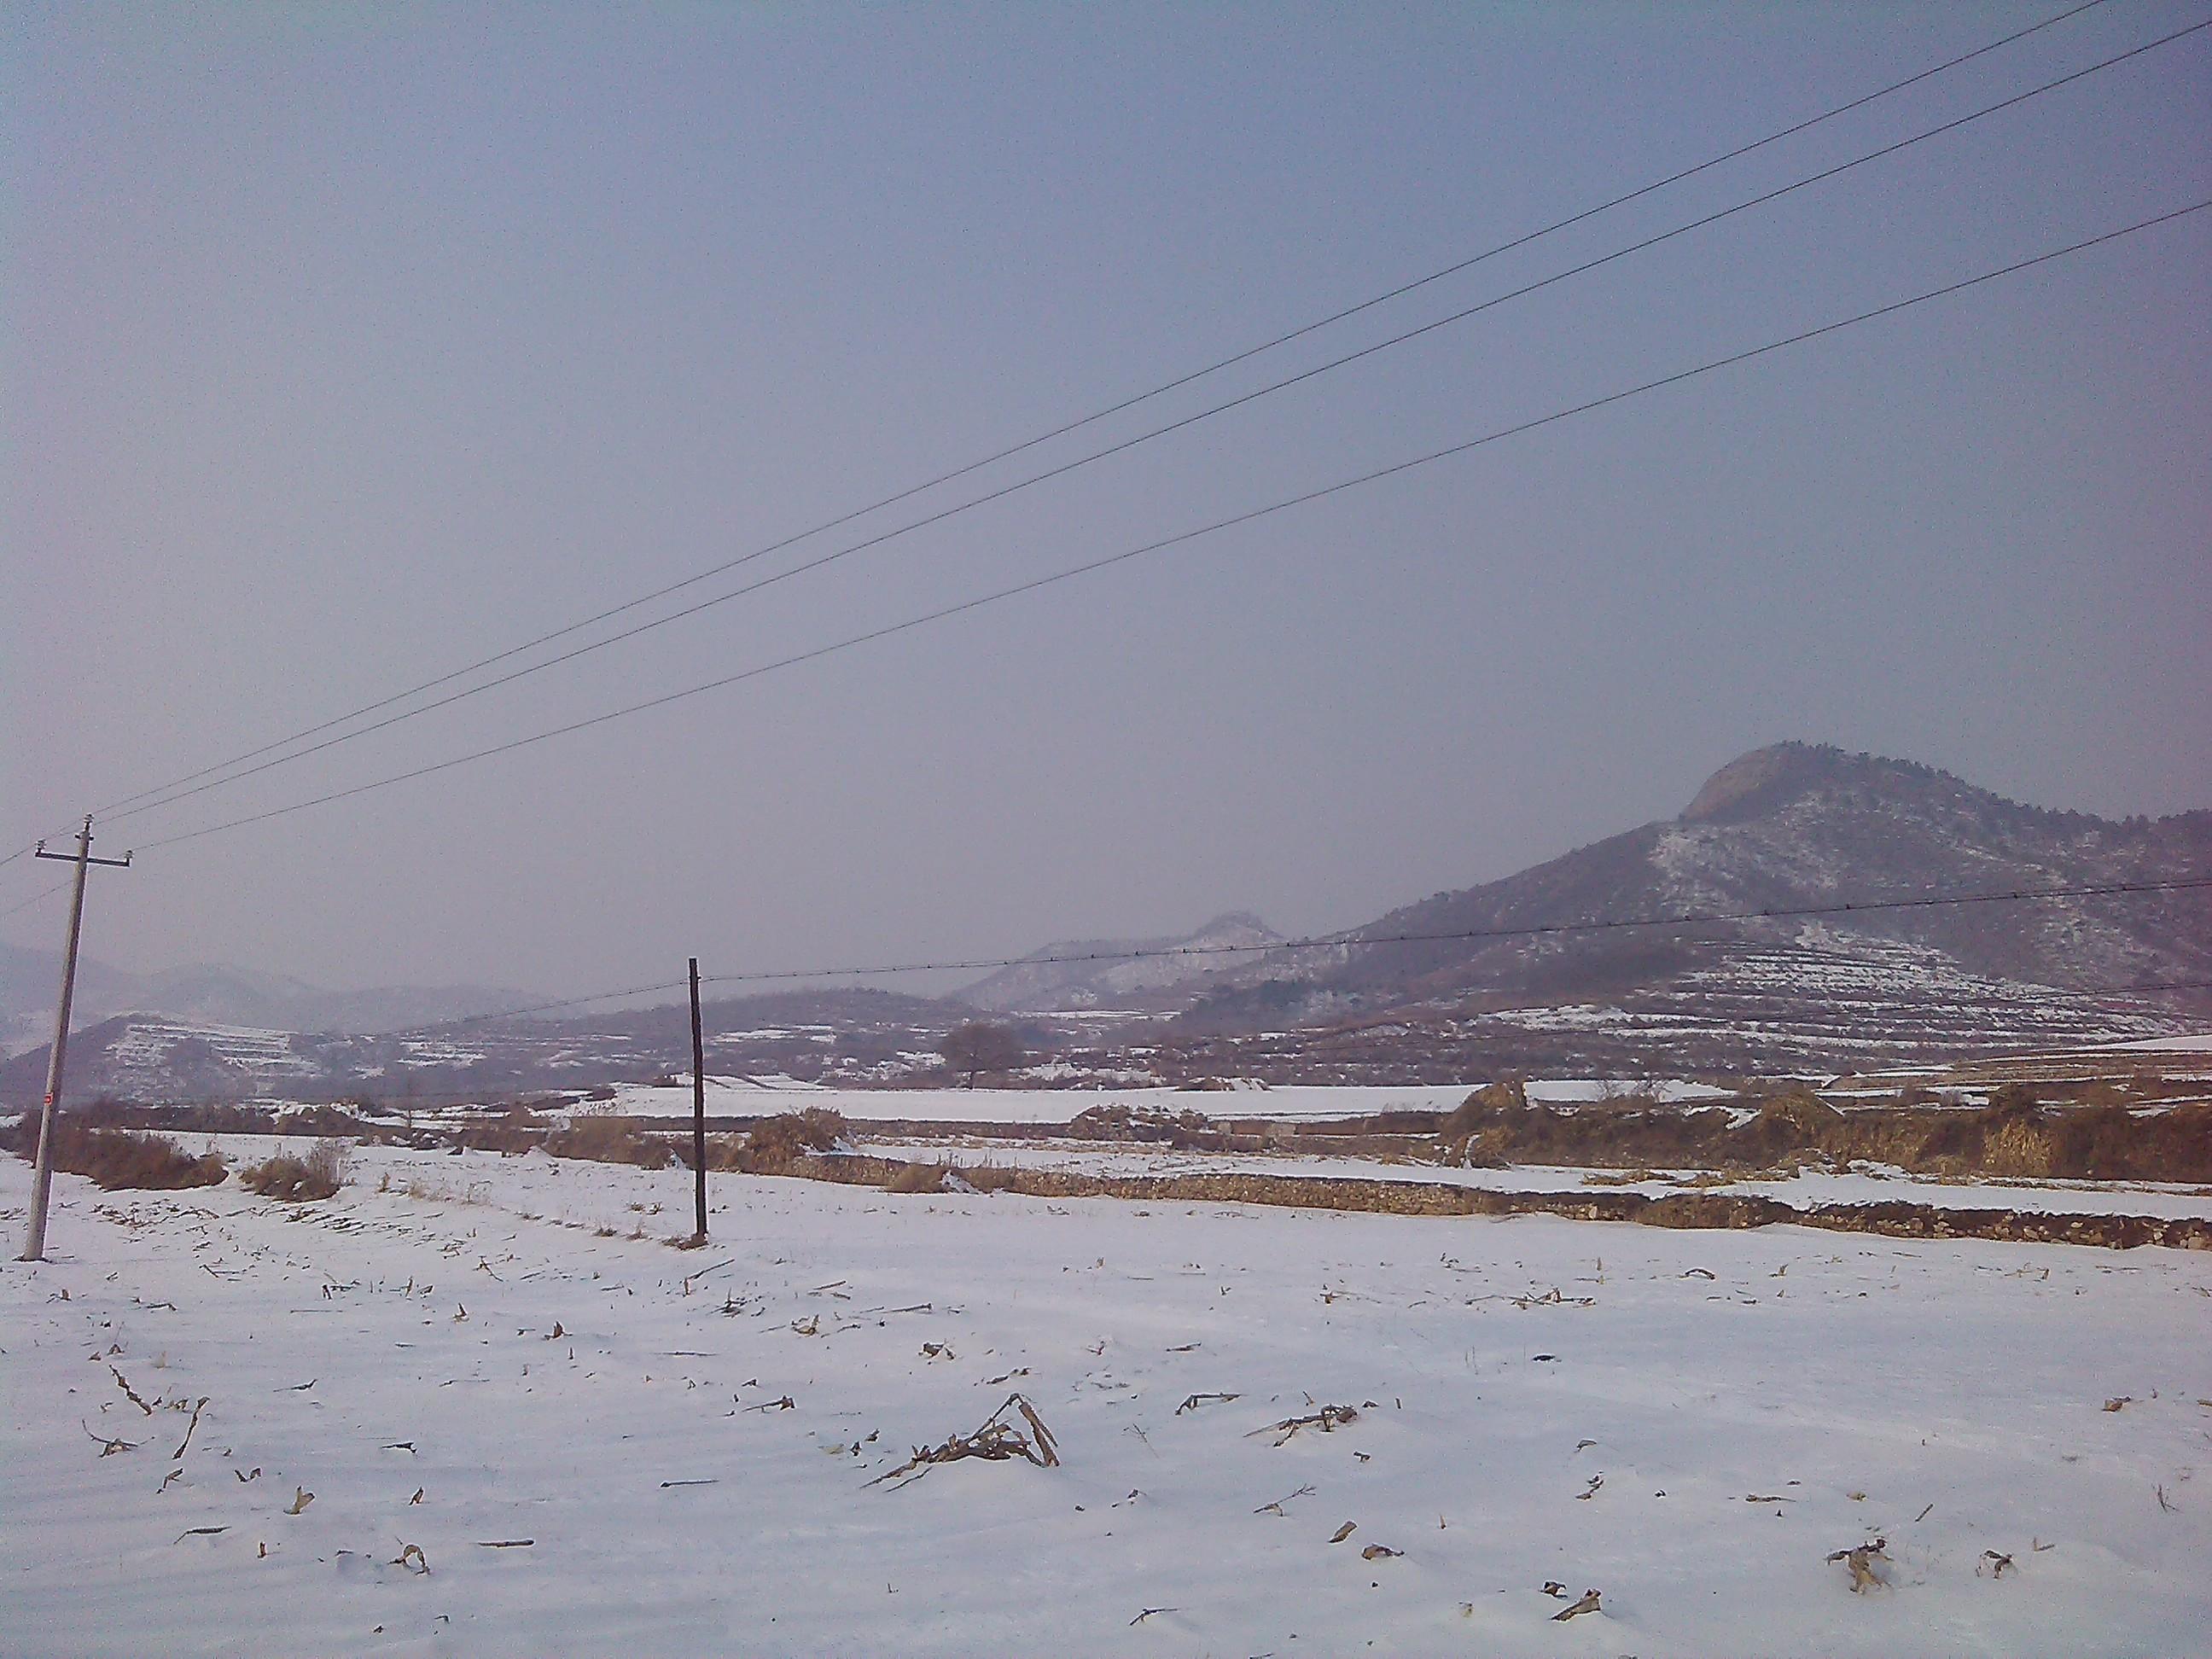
(976, 1048)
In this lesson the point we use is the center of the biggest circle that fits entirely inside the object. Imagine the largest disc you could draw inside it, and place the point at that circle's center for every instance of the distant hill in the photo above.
(1042, 984)
(792, 1035)
(217, 994)
(1789, 827)
(1798, 825)
(1483, 988)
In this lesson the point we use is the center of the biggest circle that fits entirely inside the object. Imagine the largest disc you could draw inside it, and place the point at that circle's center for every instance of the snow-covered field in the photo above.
(1287, 1104)
(1809, 1187)
(1688, 1422)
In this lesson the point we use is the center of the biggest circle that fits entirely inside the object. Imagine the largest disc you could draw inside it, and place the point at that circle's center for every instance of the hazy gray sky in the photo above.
(344, 347)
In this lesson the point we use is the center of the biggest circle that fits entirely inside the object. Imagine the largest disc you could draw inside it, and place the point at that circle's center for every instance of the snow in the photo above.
(1286, 1103)
(1564, 1090)
(2197, 1044)
(738, 1096)
(1863, 1185)
(1947, 1396)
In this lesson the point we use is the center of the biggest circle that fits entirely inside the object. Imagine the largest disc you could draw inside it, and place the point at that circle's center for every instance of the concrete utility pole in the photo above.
(35, 1249)
(698, 1105)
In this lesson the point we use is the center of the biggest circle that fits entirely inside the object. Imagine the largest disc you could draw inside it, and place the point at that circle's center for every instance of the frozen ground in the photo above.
(1286, 1103)
(1690, 1425)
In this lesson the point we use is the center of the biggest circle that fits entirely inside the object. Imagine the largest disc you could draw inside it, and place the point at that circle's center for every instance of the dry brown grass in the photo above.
(917, 1178)
(1116, 1120)
(300, 1180)
(2017, 1146)
(115, 1160)
(996, 1440)
(948, 1177)
(612, 1140)
(2013, 1136)
(515, 1130)
(322, 1120)
(780, 1143)
(1684, 1208)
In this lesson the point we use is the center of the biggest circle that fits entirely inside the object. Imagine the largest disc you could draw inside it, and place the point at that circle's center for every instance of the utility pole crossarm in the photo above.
(122, 863)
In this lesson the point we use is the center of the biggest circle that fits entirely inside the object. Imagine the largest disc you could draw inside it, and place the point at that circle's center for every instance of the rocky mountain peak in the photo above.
(1767, 781)
(1754, 784)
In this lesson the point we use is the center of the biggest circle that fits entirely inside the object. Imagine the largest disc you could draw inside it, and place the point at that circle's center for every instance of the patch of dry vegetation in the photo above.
(1116, 1120)
(323, 1119)
(910, 1178)
(1689, 1208)
(612, 1140)
(515, 1130)
(779, 1145)
(776, 1145)
(300, 1180)
(2013, 1136)
(996, 1440)
(949, 1178)
(115, 1160)
(222, 1118)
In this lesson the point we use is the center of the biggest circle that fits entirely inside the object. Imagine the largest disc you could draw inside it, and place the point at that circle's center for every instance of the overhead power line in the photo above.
(113, 809)
(1533, 930)
(1251, 516)
(549, 1007)
(1130, 443)
(1357, 940)
(47, 893)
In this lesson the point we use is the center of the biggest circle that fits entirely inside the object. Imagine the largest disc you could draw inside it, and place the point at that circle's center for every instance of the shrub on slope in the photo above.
(115, 1160)
(297, 1179)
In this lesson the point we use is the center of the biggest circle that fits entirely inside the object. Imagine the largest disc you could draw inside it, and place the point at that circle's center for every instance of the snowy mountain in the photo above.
(1795, 826)
(1787, 827)
(1486, 990)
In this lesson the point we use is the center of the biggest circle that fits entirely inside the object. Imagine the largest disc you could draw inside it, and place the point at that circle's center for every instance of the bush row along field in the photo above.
(2016, 1135)
(815, 1145)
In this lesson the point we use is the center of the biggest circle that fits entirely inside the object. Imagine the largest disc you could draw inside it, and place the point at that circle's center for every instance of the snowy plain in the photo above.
(1691, 1424)
(1286, 1103)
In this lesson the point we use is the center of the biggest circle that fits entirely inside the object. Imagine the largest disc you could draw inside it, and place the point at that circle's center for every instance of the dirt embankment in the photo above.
(1699, 1209)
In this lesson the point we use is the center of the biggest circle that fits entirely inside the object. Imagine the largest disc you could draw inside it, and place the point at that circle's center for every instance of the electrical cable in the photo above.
(1250, 516)
(1356, 940)
(1124, 445)
(557, 1094)
(1254, 351)
(548, 1007)
(1528, 931)
(58, 887)
(1350, 940)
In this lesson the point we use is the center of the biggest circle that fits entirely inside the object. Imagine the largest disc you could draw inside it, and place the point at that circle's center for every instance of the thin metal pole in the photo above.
(34, 1248)
(698, 1103)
